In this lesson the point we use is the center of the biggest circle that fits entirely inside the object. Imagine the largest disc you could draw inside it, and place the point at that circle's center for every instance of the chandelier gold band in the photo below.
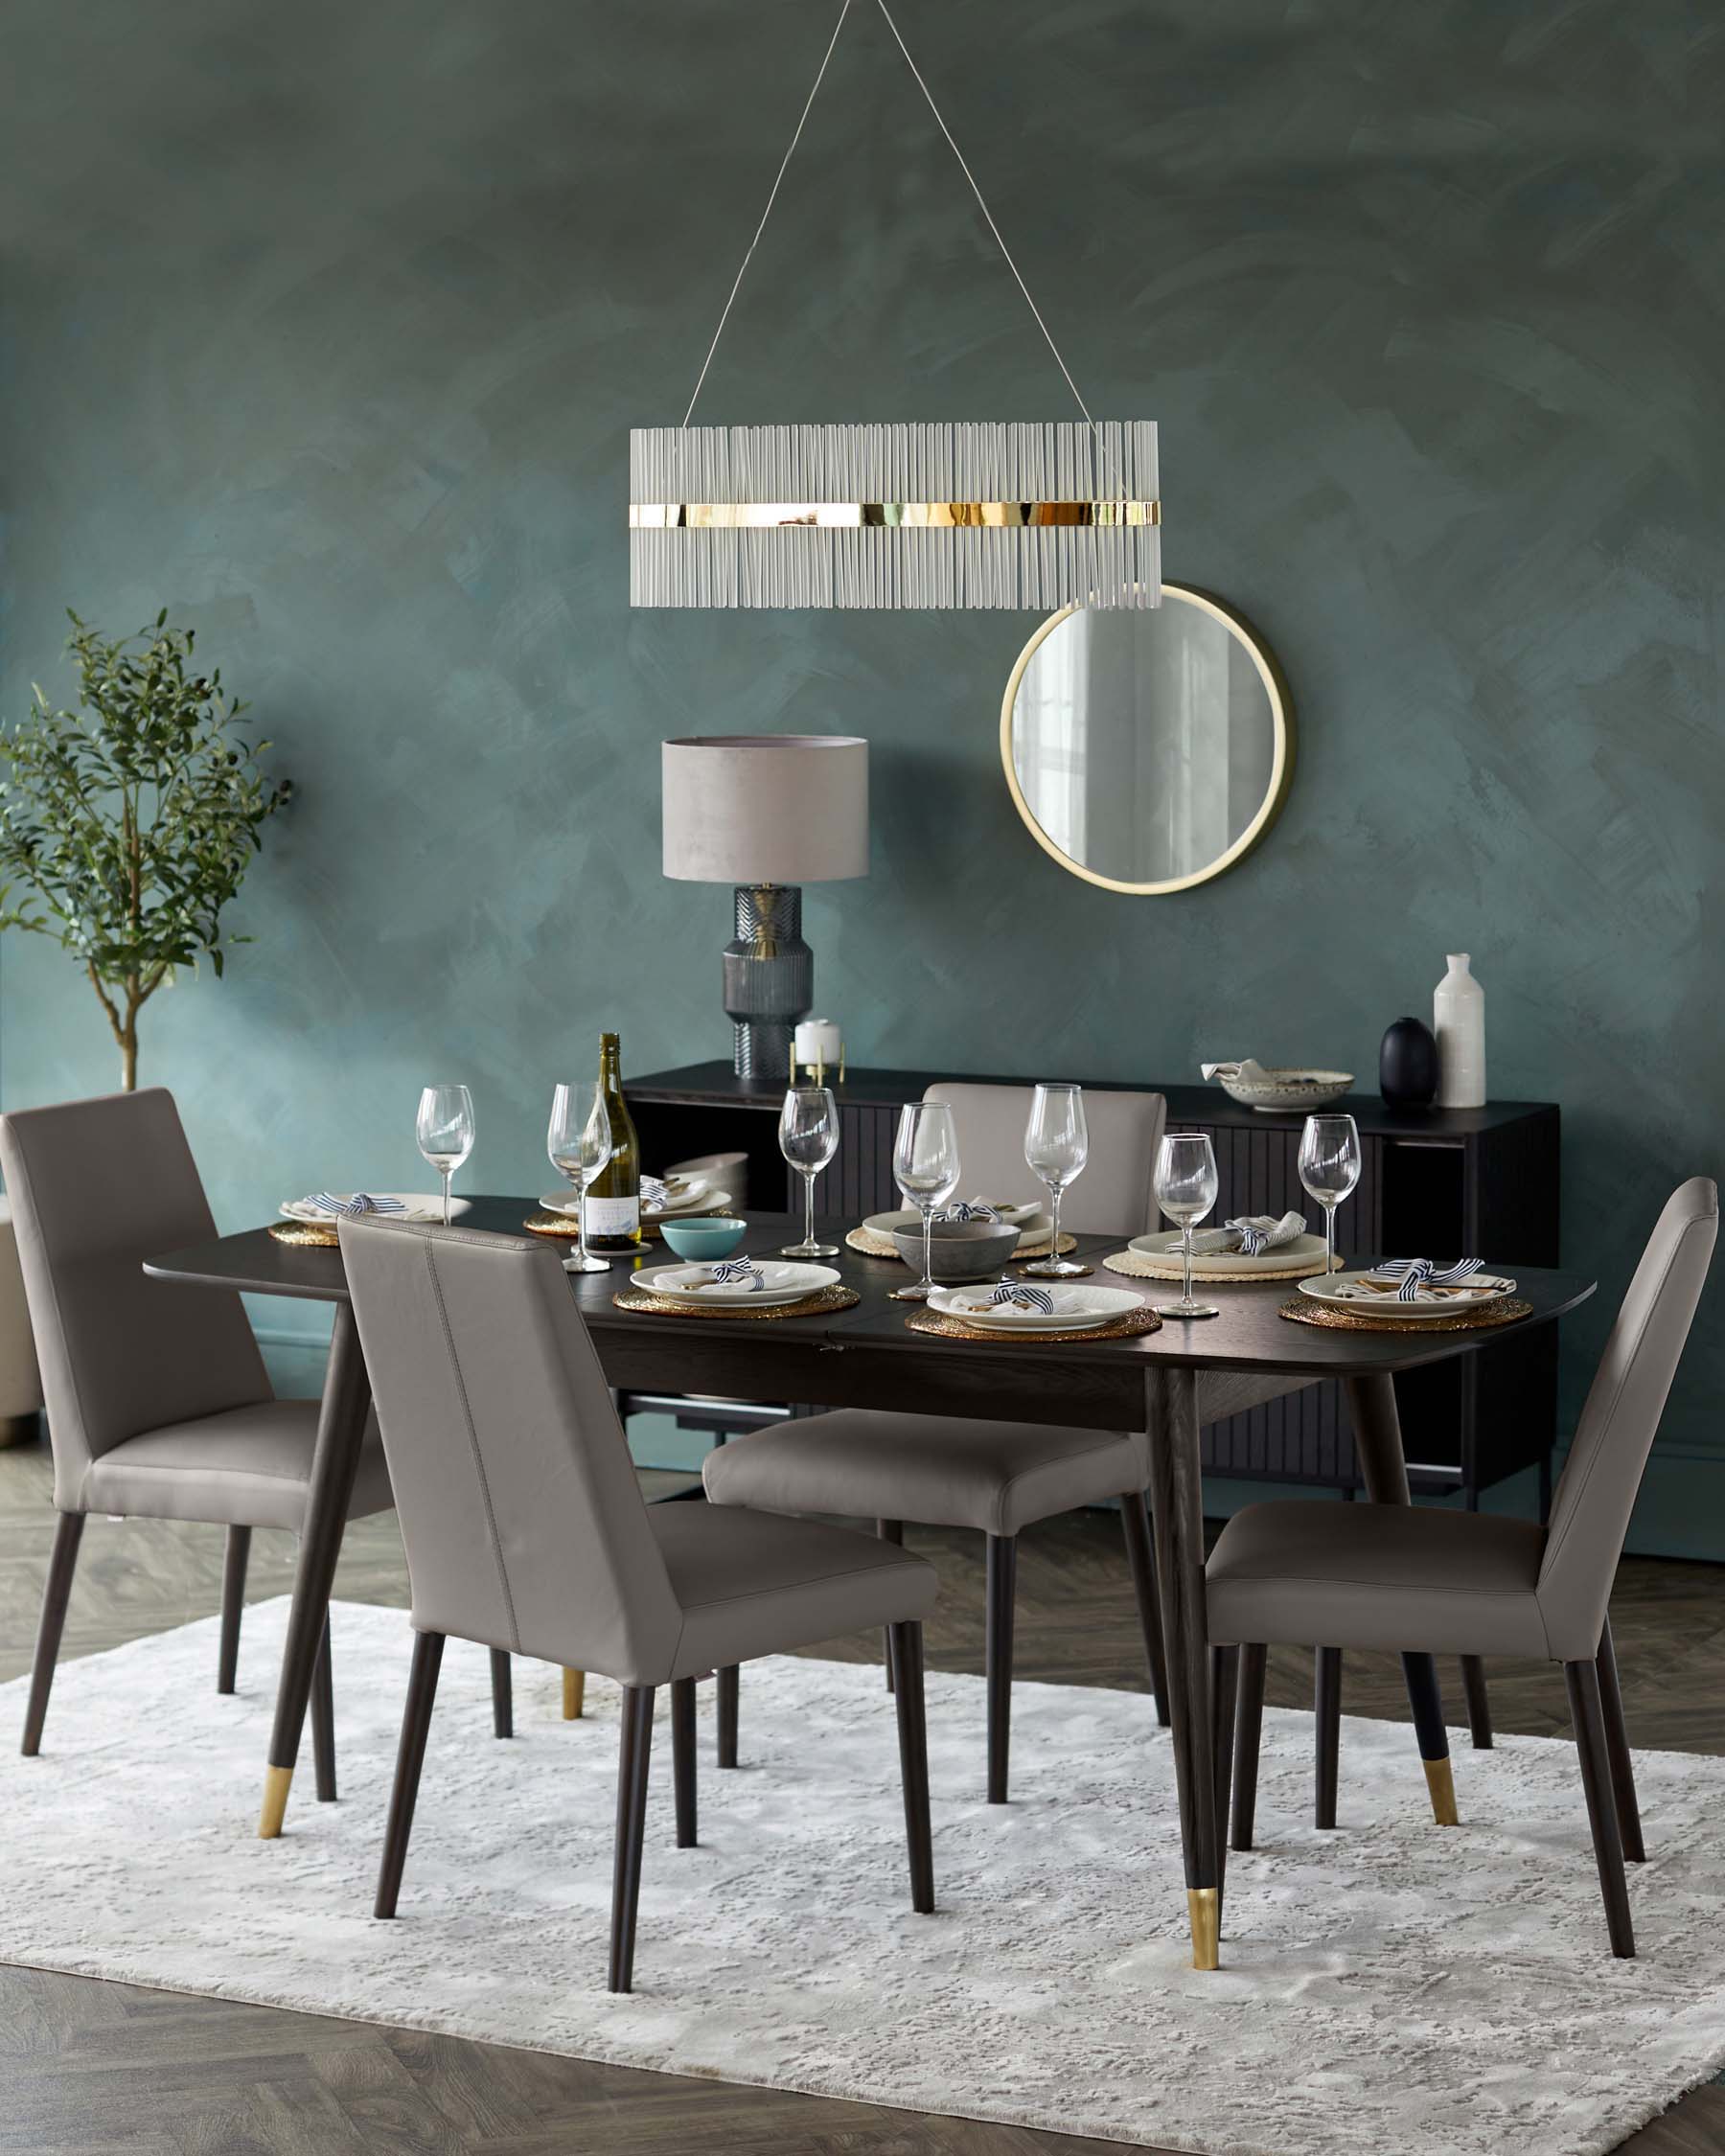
(902, 515)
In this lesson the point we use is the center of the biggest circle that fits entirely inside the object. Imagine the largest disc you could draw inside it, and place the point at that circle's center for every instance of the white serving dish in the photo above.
(1284, 1260)
(1285, 1093)
(692, 1283)
(1075, 1307)
(1344, 1291)
(415, 1206)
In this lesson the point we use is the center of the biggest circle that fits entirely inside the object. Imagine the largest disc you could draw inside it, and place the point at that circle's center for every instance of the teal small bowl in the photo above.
(699, 1239)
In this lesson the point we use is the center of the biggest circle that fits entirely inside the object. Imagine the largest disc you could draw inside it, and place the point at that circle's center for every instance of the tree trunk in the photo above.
(128, 1057)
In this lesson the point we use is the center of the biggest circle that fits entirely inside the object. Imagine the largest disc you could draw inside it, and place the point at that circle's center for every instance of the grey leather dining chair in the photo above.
(1467, 1583)
(158, 1403)
(996, 1478)
(526, 1532)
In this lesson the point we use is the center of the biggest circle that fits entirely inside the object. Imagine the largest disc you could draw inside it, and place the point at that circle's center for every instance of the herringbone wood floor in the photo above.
(88, 2067)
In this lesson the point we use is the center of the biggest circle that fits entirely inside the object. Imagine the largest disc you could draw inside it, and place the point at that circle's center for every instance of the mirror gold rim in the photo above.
(1281, 768)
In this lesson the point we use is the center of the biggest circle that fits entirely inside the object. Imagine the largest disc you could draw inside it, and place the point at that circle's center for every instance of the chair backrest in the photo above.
(1590, 1514)
(523, 1520)
(97, 1186)
(1112, 1197)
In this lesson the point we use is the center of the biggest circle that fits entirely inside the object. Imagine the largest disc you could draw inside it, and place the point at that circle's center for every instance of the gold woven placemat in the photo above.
(870, 1244)
(1136, 1266)
(1130, 1324)
(305, 1234)
(818, 1305)
(1308, 1313)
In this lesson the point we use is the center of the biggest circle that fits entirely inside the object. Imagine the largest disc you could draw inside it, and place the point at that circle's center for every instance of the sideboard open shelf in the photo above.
(1439, 1182)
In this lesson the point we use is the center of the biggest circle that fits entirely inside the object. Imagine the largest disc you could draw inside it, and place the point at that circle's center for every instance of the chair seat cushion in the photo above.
(245, 1467)
(944, 1471)
(754, 1583)
(1407, 1577)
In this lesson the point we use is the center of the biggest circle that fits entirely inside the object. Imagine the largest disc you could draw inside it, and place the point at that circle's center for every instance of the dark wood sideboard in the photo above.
(1439, 1183)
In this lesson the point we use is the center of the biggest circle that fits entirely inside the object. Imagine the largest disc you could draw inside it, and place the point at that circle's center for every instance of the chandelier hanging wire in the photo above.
(961, 515)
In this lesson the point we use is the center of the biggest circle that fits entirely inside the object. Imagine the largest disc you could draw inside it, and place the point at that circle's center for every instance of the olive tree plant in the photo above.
(127, 826)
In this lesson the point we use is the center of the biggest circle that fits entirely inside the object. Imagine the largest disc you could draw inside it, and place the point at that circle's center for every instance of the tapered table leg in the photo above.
(1384, 1470)
(1177, 1513)
(334, 1462)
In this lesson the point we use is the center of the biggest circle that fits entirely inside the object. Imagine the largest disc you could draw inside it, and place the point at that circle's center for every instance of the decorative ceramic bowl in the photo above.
(962, 1250)
(699, 1239)
(1288, 1093)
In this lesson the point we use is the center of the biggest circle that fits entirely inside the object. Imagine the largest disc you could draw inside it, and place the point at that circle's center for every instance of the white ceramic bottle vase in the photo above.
(1459, 1021)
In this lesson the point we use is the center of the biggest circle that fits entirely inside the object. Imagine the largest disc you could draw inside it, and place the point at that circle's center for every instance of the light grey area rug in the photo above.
(1389, 1986)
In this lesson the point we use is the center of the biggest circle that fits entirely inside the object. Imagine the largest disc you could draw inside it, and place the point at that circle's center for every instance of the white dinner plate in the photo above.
(785, 1283)
(414, 1206)
(706, 1201)
(1303, 1250)
(1345, 1291)
(1073, 1307)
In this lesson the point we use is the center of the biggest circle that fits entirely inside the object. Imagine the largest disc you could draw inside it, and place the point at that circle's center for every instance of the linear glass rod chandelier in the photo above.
(964, 514)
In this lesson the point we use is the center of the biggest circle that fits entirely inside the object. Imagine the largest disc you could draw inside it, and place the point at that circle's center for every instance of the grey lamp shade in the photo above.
(766, 808)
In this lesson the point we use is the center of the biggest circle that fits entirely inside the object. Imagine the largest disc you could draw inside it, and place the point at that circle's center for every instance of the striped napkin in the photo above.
(733, 1273)
(351, 1208)
(1250, 1234)
(1417, 1272)
(1022, 1295)
(970, 1208)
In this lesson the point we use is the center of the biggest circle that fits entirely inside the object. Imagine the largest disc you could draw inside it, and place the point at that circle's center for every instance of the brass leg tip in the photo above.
(1441, 1784)
(1203, 1906)
(574, 1694)
(277, 1781)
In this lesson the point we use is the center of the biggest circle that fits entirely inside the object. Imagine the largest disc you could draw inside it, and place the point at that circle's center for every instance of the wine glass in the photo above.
(925, 1166)
(445, 1131)
(809, 1138)
(579, 1142)
(1187, 1184)
(1329, 1167)
(1056, 1147)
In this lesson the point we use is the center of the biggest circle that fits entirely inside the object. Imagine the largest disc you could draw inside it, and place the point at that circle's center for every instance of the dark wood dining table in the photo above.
(867, 1357)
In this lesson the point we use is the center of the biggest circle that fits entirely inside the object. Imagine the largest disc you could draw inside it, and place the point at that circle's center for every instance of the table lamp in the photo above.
(766, 812)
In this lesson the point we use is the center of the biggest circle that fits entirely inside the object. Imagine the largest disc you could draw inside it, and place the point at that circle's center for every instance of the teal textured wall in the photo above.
(325, 327)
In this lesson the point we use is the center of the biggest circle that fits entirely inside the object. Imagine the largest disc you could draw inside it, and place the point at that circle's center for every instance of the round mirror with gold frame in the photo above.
(1148, 751)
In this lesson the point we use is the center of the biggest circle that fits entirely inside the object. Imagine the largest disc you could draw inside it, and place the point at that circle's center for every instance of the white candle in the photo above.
(818, 1040)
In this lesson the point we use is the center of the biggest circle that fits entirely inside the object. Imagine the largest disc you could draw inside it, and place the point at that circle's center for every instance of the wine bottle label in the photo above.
(612, 1215)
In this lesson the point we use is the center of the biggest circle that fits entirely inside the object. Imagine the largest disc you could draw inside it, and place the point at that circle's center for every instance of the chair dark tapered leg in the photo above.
(888, 1530)
(1617, 1750)
(1134, 1525)
(726, 1686)
(410, 1757)
(233, 1603)
(635, 1755)
(1224, 1678)
(1249, 1732)
(1479, 1701)
(913, 1763)
(1588, 1716)
(682, 1758)
(1326, 1715)
(323, 1718)
(57, 1592)
(996, 1659)
(502, 1694)
(1424, 1697)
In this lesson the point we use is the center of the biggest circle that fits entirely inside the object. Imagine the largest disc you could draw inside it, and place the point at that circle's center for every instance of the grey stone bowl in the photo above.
(962, 1250)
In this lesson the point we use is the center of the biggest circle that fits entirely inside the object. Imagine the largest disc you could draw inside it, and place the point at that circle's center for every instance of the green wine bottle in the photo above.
(612, 1200)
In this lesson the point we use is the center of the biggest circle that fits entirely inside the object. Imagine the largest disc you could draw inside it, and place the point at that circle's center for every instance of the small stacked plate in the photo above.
(1076, 1309)
(1367, 1294)
(696, 1195)
(1288, 1261)
(408, 1206)
(695, 1284)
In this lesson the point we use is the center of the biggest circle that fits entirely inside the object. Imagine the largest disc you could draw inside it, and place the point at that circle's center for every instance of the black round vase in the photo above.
(1408, 1065)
